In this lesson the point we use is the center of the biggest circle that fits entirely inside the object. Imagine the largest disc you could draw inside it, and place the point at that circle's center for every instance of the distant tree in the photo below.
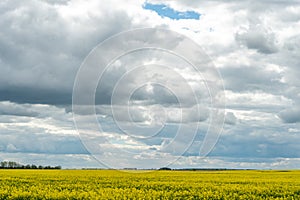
(165, 168)
(4, 164)
(10, 164)
(15, 165)
(33, 167)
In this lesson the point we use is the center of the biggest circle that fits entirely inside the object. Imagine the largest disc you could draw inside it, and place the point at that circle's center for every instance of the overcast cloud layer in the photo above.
(255, 45)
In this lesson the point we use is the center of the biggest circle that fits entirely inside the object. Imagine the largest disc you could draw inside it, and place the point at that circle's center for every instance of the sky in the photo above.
(147, 84)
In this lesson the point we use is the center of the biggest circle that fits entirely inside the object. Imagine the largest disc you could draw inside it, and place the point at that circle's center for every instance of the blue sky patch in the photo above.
(165, 11)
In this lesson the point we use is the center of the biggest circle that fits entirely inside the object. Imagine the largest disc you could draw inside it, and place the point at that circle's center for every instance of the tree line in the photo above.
(15, 165)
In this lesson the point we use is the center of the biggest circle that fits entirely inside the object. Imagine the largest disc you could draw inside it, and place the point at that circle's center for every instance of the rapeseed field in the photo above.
(113, 184)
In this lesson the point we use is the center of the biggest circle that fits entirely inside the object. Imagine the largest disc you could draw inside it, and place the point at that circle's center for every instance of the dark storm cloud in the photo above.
(36, 95)
(41, 49)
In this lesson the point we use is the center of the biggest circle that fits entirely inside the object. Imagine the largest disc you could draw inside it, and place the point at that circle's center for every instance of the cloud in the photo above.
(235, 163)
(50, 41)
(256, 100)
(155, 113)
(32, 111)
(255, 37)
(34, 128)
(247, 141)
(58, 2)
(290, 115)
(251, 78)
(230, 118)
(255, 46)
(8, 108)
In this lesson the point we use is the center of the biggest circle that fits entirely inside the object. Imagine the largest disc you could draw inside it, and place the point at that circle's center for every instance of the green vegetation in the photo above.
(15, 165)
(112, 184)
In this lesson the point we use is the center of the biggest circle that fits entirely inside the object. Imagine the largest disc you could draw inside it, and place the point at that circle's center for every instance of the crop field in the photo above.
(112, 184)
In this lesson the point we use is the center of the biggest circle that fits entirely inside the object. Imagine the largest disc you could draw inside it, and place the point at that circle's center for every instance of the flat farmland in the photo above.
(113, 184)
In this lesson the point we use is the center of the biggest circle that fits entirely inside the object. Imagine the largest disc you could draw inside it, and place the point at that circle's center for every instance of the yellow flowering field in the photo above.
(113, 184)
